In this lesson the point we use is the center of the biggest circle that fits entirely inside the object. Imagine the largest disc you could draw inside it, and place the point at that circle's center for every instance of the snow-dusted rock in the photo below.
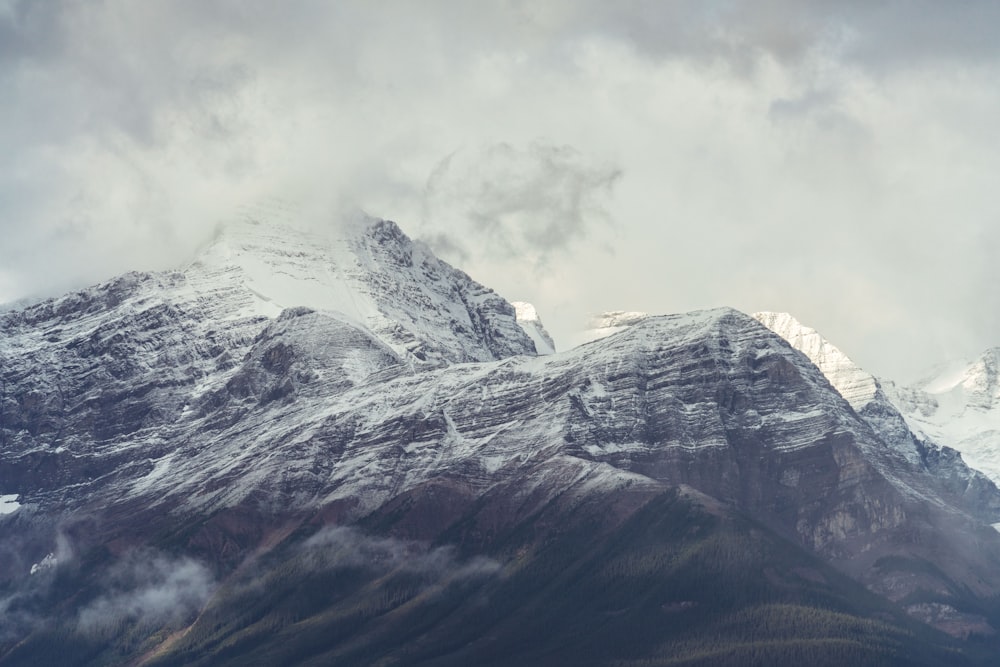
(334, 376)
(607, 324)
(103, 379)
(959, 404)
(854, 384)
(930, 466)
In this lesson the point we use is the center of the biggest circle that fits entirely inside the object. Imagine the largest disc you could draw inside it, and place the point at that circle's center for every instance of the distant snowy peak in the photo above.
(967, 392)
(977, 382)
(531, 323)
(857, 386)
(959, 405)
(609, 323)
(367, 272)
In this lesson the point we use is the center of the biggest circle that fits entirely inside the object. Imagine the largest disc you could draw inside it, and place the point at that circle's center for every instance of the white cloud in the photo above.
(346, 547)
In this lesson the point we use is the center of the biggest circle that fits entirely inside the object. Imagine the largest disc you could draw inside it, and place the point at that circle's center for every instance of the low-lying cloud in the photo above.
(149, 589)
(146, 590)
(345, 546)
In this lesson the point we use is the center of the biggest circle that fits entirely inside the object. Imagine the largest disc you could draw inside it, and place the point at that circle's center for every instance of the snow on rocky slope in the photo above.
(959, 404)
(853, 383)
(611, 322)
(931, 455)
(90, 379)
(339, 418)
(370, 274)
(909, 458)
(337, 373)
(956, 406)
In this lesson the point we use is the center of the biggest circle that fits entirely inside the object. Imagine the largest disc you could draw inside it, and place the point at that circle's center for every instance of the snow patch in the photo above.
(531, 324)
(9, 504)
(47, 563)
(616, 448)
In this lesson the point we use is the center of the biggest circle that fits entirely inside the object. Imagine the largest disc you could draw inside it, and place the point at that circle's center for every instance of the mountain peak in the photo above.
(856, 385)
(614, 321)
(368, 272)
(959, 404)
(607, 323)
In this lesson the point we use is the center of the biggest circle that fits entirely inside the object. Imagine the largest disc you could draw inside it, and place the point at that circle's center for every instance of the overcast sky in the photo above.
(834, 159)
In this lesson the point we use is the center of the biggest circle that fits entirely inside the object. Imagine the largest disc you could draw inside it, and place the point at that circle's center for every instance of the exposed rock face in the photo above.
(948, 420)
(930, 467)
(287, 378)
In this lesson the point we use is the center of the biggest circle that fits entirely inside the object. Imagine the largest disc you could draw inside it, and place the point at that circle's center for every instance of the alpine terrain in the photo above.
(959, 404)
(326, 446)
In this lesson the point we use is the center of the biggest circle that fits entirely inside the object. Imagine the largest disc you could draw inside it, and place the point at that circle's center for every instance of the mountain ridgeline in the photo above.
(328, 446)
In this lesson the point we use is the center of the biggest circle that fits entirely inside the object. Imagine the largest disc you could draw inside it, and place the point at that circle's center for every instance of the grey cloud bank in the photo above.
(832, 159)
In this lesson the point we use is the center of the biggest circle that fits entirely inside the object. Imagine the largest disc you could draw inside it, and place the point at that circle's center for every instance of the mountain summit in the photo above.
(368, 273)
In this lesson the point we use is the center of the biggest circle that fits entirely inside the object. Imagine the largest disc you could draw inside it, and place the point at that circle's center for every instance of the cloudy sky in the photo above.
(835, 159)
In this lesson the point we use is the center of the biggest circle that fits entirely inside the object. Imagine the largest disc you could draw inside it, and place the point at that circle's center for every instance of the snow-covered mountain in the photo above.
(290, 381)
(909, 458)
(367, 273)
(959, 404)
(265, 313)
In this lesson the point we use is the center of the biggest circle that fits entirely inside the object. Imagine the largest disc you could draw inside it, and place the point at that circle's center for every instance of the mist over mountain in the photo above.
(321, 444)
